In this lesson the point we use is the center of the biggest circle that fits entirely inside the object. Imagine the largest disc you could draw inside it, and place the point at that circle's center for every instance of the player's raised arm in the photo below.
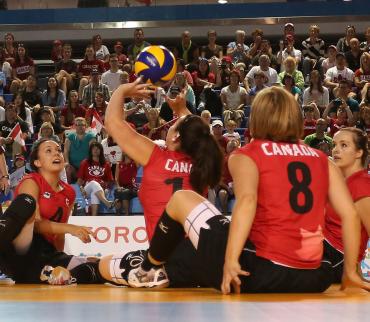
(137, 147)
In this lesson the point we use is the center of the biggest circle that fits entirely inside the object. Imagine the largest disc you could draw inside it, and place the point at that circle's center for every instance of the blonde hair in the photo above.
(314, 27)
(276, 116)
(230, 123)
(290, 59)
(46, 125)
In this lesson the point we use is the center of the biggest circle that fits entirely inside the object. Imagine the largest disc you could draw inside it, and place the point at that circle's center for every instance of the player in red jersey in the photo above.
(275, 241)
(32, 229)
(350, 154)
(192, 160)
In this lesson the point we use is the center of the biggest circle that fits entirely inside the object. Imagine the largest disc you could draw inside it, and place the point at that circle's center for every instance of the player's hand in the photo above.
(178, 104)
(353, 279)
(137, 89)
(232, 271)
(82, 232)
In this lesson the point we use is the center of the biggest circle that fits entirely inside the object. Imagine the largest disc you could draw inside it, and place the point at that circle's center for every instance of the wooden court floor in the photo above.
(31, 303)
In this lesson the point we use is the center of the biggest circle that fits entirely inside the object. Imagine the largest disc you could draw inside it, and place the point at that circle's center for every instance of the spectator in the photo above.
(53, 96)
(46, 114)
(338, 72)
(72, 110)
(118, 50)
(365, 94)
(313, 51)
(259, 84)
(181, 82)
(181, 68)
(99, 105)
(363, 122)
(255, 46)
(95, 85)
(206, 117)
(154, 129)
(237, 49)
(217, 129)
(233, 98)
(316, 92)
(86, 66)
(23, 111)
(353, 55)
(264, 66)
(46, 132)
(362, 75)
(57, 51)
(231, 134)
(225, 190)
(76, 147)
(223, 74)
(10, 50)
(101, 51)
(242, 69)
(95, 175)
(290, 67)
(365, 45)
(11, 120)
(22, 67)
(330, 61)
(187, 49)
(166, 112)
(265, 50)
(289, 85)
(343, 94)
(135, 111)
(126, 187)
(342, 117)
(66, 70)
(311, 114)
(5, 67)
(343, 44)
(288, 30)
(313, 140)
(212, 49)
(139, 44)
(287, 50)
(31, 94)
(111, 77)
(202, 77)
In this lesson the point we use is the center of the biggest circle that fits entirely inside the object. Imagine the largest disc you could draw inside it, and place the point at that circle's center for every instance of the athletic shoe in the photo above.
(56, 276)
(155, 278)
(5, 280)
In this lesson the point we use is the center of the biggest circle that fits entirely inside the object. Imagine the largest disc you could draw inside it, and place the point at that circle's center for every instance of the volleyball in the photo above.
(156, 64)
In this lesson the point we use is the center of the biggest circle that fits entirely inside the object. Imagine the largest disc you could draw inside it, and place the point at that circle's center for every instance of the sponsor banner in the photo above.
(114, 234)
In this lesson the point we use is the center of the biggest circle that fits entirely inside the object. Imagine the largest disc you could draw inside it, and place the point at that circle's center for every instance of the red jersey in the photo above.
(85, 66)
(127, 174)
(166, 172)
(359, 187)
(70, 114)
(53, 206)
(23, 69)
(309, 127)
(292, 194)
(94, 171)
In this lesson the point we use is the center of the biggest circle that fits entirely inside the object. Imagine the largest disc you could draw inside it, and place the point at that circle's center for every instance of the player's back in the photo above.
(292, 193)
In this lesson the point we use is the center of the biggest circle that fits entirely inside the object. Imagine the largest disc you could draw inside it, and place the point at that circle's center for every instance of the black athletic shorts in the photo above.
(265, 276)
(27, 268)
(337, 259)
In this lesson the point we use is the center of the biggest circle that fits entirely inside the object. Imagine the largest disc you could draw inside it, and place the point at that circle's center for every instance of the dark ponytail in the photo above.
(207, 157)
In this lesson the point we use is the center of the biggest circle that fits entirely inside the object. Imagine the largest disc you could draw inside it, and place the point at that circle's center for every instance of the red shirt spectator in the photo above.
(89, 171)
(127, 173)
(86, 65)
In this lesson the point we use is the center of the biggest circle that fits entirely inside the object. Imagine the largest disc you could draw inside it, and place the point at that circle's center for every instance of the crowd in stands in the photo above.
(331, 82)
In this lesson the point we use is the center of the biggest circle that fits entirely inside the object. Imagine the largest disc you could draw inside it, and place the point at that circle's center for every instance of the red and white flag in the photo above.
(17, 136)
(96, 122)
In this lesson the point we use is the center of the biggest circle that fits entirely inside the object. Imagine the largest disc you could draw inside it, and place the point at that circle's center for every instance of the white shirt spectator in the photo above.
(232, 136)
(233, 98)
(334, 75)
(111, 79)
(321, 99)
(102, 52)
(271, 74)
(326, 64)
